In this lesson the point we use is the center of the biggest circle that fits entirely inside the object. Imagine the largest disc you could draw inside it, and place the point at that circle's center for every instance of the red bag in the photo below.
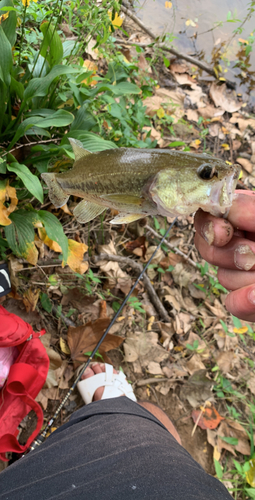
(26, 378)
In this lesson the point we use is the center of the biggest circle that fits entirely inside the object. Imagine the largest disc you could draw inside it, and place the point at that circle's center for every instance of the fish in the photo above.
(142, 182)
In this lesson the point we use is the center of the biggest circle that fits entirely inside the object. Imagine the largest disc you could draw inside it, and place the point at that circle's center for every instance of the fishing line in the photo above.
(40, 439)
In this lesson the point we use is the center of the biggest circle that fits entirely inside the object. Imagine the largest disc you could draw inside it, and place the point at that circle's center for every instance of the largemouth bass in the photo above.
(140, 182)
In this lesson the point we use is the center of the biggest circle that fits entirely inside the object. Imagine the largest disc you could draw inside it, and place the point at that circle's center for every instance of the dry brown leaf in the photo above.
(17, 307)
(173, 370)
(116, 277)
(144, 348)
(184, 79)
(179, 67)
(84, 338)
(77, 298)
(196, 293)
(154, 368)
(196, 96)
(242, 122)
(232, 429)
(251, 384)
(181, 276)
(192, 115)
(224, 98)
(217, 309)
(171, 260)
(215, 130)
(246, 164)
(210, 111)
(227, 360)
(30, 298)
(194, 364)
(143, 63)
(194, 337)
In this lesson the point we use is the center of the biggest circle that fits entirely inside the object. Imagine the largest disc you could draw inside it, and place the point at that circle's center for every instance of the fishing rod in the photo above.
(41, 437)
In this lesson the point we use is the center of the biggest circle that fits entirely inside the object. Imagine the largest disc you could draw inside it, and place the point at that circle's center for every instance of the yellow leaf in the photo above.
(242, 330)
(216, 453)
(241, 40)
(189, 22)
(195, 144)
(90, 66)
(168, 5)
(225, 130)
(30, 253)
(222, 79)
(240, 175)
(4, 16)
(26, 3)
(160, 113)
(7, 194)
(228, 162)
(64, 347)
(216, 71)
(66, 210)
(116, 21)
(225, 146)
(150, 323)
(76, 251)
(250, 474)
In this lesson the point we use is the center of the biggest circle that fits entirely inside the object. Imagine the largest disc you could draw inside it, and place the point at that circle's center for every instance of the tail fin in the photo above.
(56, 194)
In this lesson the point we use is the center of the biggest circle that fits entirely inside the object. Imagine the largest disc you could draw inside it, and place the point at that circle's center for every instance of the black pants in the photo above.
(110, 450)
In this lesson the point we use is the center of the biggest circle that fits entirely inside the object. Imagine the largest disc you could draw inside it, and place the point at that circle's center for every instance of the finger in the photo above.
(239, 253)
(215, 231)
(242, 212)
(233, 280)
(241, 303)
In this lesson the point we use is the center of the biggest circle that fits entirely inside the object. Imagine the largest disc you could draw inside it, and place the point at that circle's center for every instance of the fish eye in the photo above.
(206, 172)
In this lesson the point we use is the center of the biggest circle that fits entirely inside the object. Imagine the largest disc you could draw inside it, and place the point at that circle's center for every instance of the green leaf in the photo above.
(6, 58)
(83, 120)
(30, 181)
(38, 87)
(20, 236)
(175, 144)
(218, 469)
(46, 303)
(124, 88)
(17, 87)
(51, 41)
(166, 62)
(54, 231)
(250, 492)
(230, 440)
(9, 24)
(236, 321)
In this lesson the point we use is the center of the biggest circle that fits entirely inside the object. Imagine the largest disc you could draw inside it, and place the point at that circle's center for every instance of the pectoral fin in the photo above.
(126, 218)
(56, 194)
(86, 211)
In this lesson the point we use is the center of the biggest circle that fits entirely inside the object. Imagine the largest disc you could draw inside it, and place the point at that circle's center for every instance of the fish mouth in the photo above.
(222, 195)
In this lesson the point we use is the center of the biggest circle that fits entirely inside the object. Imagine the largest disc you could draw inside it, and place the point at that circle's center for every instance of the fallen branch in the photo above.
(205, 67)
(66, 320)
(154, 380)
(147, 284)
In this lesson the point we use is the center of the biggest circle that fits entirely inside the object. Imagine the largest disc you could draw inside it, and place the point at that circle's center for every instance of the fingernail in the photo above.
(244, 257)
(207, 232)
(251, 296)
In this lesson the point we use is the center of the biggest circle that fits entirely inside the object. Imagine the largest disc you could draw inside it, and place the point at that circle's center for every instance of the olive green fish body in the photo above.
(139, 182)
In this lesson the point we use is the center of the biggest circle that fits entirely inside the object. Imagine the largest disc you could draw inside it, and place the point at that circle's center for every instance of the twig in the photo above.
(67, 321)
(147, 284)
(176, 250)
(154, 380)
(175, 52)
(30, 144)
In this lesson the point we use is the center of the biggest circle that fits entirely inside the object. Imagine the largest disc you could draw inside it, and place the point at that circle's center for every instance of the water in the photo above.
(201, 40)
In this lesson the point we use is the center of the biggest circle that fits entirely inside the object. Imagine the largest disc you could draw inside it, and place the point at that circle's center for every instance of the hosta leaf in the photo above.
(9, 24)
(54, 231)
(20, 236)
(6, 58)
(30, 181)
(51, 47)
(38, 87)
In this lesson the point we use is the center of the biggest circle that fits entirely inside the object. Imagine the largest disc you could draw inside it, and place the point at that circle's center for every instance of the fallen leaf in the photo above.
(194, 337)
(76, 252)
(143, 347)
(209, 419)
(224, 98)
(7, 194)
(251, 384)
(168, 5)
(192, 115)
(246, 164)
(84, 338)
(226, 361)
(250, 474)
(143, 64)
(30, 298)
(154, 368)
(215, 130)
(242, 122)
(66, 210)
(210, 111)
(217, 309)
(171, 260)
(131, 245)
(195, 363)
(90, 66)
(116, 277)
(195, 144)
(173, 370)
(231, 429)
(79, 300)
(181, 276)
(64, 347)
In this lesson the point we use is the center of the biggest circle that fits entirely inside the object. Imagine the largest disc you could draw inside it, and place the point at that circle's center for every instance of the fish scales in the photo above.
(140, 182)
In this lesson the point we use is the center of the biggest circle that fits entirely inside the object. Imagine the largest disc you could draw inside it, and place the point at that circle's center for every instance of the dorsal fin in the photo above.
(78, 149)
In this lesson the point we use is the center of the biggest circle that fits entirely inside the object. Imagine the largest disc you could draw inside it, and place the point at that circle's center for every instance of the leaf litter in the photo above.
(204, 364)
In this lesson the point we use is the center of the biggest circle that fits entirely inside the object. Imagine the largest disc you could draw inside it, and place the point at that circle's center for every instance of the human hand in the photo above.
(230, 245)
